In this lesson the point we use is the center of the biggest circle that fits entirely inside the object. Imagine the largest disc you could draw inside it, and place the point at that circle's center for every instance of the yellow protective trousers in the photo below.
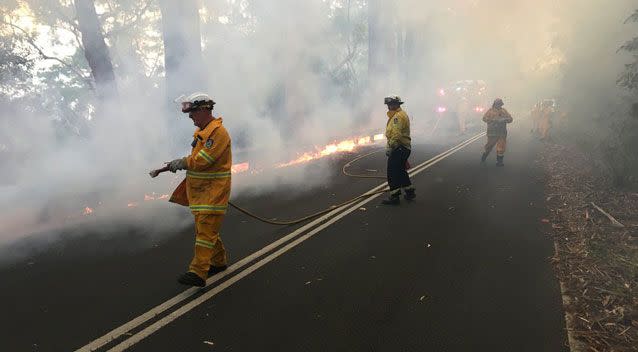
(544, 126)
(209, 249)
(499, 141)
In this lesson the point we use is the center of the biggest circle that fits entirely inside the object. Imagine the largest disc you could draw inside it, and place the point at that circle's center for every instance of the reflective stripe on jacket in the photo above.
(206, 188)
(397, 129)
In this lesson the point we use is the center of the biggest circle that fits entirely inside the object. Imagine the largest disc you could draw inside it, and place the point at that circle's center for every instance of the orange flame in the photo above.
(238, 168)
(87, 211)
(347, 145)
(155, 196)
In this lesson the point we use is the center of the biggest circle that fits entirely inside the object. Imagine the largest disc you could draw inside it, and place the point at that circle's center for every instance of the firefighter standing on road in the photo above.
(497, 119)
(206, 189)
(462, 113)
(535, 116)
(546, 119)
(398, 150)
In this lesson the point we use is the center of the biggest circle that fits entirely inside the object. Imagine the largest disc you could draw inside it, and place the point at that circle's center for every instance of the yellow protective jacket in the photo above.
(206, 188)
(497, 120)
(547, 114)
(397, 129)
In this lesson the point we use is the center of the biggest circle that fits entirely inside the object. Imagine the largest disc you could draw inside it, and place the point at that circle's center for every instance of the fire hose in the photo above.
(155, 173)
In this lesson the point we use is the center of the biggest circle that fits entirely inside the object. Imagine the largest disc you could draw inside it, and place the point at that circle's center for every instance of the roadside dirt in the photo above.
(597, 259)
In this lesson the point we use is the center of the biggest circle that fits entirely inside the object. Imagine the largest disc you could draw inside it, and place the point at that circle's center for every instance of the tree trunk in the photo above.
(374, 38)
(382, 50)
(183, 61)
(95, 50)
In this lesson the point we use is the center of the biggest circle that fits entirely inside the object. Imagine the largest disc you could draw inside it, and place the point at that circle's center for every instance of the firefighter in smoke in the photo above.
(497, 119)
(462, 113)
(546, 119)
(206, 189)
(398, 150)
(535, 116)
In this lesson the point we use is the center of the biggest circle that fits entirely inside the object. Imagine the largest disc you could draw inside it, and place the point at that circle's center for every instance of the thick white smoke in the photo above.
(271, 77)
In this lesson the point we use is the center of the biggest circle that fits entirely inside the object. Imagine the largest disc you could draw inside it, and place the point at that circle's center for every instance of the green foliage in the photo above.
(629, 79)
(621, 145)
(15, 68)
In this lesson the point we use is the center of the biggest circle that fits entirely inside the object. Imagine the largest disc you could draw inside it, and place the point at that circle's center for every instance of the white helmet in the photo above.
(393, 99)
(197, 100)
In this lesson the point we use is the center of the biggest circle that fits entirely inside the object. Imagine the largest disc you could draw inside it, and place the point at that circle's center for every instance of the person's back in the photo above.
(545, 123)
(497, 119)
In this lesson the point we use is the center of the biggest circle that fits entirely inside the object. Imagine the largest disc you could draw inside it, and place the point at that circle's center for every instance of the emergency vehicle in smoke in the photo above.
(461, 102)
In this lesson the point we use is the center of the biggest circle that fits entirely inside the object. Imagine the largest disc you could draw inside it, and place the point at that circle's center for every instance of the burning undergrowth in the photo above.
(103, 207)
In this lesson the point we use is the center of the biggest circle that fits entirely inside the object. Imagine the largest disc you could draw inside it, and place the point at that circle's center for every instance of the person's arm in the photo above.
(487, 117)
(507, 118)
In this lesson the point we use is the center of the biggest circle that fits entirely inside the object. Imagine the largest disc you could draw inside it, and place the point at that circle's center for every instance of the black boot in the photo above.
(191, 279)
(499, 160)
(394, 199)
(483, 157)
(216, 269)
(409, 194)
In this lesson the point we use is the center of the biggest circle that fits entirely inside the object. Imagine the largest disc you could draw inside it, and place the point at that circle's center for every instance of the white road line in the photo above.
(157, 310)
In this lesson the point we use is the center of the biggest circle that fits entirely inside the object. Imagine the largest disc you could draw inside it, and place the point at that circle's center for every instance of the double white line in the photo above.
(323, 222)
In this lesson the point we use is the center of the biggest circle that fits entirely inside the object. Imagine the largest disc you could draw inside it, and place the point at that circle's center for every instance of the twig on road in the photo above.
(613, 220)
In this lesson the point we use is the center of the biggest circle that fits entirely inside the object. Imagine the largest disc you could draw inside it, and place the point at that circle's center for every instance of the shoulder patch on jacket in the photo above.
(396, 120)
(209, 143)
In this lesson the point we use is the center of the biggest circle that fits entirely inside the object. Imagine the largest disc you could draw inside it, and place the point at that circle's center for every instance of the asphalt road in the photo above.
(463, 268)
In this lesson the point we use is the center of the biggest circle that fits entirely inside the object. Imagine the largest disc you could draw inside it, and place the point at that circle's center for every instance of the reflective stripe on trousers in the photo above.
(209, 248)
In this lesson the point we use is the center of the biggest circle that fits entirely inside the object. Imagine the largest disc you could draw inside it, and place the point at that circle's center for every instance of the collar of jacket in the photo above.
(208, 130)
(392, 113)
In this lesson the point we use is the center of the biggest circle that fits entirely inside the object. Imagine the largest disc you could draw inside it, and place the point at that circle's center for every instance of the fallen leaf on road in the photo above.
(373, 257)
(362, 209)
(545, 221)
(308, 283)
(429, 245)
(209, 343)
(422, 298)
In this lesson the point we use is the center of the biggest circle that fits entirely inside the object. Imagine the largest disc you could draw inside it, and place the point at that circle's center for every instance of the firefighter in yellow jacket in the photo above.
(397, 132)
(206, 189)
(546, 119)
(497, 119)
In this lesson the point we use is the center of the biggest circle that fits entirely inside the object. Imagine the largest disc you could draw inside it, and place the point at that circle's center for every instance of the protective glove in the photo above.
(177, 164)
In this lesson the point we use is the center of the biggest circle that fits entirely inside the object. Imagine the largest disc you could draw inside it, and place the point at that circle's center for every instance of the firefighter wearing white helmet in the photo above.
(206, 188)
(398, 150)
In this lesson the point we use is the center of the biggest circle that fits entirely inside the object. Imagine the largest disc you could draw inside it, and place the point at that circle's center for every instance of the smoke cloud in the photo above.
(288, 75)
